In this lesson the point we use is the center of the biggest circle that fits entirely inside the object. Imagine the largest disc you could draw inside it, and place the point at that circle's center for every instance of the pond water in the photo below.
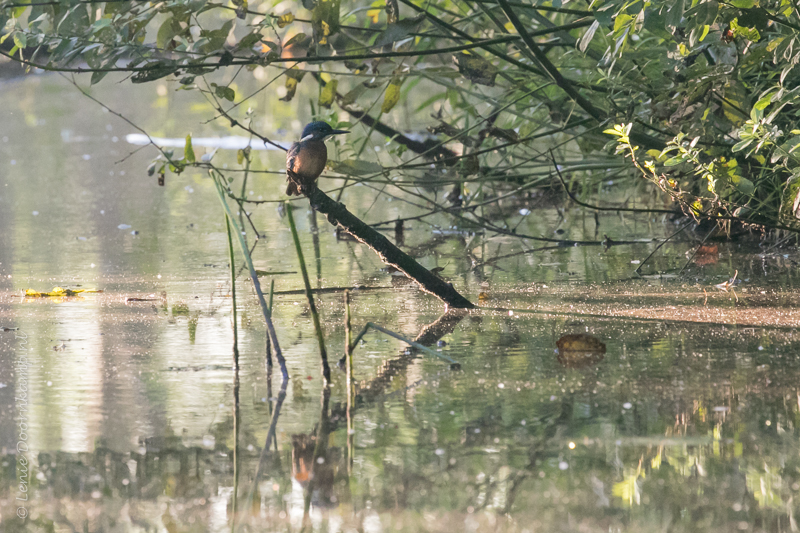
(123, 404)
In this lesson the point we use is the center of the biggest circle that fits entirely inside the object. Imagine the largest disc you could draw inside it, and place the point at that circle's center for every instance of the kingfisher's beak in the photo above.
(337, 132)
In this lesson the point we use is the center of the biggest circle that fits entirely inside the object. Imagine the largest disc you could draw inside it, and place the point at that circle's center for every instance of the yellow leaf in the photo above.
(374, 14)
(285, 20)
(291, 88)
(392, 95)
(328, 93)
(57, 292)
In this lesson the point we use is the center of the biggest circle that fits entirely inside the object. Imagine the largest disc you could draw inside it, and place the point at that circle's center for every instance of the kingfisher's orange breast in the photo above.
(310, 159)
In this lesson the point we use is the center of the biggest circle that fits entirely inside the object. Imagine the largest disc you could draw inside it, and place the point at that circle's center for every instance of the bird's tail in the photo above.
(291, 189)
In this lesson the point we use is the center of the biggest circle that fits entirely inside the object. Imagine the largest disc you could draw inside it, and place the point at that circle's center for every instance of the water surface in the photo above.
(687, 422)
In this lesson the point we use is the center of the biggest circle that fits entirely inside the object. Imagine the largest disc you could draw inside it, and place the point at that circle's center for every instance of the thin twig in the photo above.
(326, 370)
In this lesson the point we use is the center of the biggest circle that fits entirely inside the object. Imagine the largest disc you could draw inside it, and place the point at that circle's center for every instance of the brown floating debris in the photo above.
(580, 350)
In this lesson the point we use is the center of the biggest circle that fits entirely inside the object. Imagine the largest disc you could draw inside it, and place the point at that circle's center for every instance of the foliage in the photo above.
(707, 88)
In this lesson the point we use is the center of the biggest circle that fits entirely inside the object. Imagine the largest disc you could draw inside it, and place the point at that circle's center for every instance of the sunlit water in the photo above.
(126, 410)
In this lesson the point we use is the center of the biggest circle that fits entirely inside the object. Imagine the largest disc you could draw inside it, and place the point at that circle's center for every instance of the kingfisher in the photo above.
(306, 158)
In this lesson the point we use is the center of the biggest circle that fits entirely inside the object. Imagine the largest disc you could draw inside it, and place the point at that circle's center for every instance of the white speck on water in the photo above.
(563, 465)
(49, 383)
(501, 386)
(524, 212)
(159, 276)
(92, 265)
(635, 262)
(86, 157)
(522, 422)
(13, 162)
(102, 211)
(627, 405)
(36, 213)
(439, 452)
(114, 139)
(760, 348)
(552, 398)
(452, 412)
(320, 460)
(124, 226)
(189, 188)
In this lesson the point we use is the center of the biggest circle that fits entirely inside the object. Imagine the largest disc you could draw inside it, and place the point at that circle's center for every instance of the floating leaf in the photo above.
(392, 95)
(285, 20)
(328, 93)
(57, 292)
(476, 69)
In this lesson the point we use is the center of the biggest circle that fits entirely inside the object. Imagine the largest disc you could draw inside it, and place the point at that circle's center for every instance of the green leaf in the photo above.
(622, 21)
(583, 44)
(166, 32)
(399, 30)
(741, 145)
(20, 40)
(703, 14)
(674, 14)
(325, 20)
(476, 69)
(97, 76)
(743, 185)
(158, 71)
(297, 39)
(351, 97)
(764, 102)
(225, 92)
(751, 34)
(188, 151)
(249, 40)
